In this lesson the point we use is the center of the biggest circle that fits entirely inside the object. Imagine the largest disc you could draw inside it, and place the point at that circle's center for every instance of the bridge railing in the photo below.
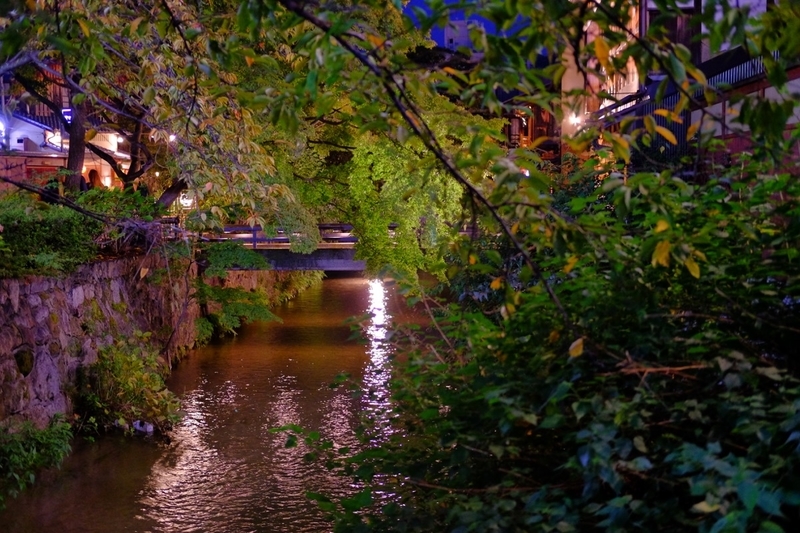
(255, 235)
(330, 233)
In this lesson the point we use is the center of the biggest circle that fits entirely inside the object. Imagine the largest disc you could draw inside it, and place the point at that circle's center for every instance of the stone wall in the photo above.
(51, 327)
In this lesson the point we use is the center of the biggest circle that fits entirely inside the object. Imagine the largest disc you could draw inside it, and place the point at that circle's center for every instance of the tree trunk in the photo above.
(77, 146)
(172, 193)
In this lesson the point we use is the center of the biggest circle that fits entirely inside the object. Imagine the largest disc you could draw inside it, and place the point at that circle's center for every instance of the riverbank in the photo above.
(50, 328)
(223, 470)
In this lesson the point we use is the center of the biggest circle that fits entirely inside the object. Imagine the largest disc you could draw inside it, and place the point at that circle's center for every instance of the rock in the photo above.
(13, 294)
(41, 314)
(77, 296)
(40, 285)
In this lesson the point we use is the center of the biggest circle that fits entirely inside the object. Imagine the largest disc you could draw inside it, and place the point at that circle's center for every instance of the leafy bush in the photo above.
(226, 308)
(26, 449)
(232, 306)
(219, 257)
(120, 203)
(43, 239)
(654, 386)
(4, 251)
(126, 384)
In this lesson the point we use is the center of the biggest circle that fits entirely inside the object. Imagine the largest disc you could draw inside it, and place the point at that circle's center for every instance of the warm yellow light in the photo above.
(186, 201)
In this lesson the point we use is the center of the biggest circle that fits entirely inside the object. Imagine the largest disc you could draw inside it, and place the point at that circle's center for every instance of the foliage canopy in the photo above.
(634, 366)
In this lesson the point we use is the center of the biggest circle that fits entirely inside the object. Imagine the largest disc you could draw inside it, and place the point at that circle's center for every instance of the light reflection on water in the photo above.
(224, 470)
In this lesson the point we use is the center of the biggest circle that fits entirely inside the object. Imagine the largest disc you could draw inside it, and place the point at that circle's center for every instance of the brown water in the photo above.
(224, 470)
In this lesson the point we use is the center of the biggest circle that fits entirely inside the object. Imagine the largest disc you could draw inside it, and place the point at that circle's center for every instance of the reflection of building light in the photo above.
(172, 138)
(107, 181)
(574, 119)
(377, 374)
(377, 308)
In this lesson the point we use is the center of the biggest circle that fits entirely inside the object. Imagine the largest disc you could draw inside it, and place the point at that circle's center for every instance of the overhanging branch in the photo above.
(413, 117)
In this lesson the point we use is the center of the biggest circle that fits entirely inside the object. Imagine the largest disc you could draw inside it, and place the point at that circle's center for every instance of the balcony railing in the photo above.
(727, 71)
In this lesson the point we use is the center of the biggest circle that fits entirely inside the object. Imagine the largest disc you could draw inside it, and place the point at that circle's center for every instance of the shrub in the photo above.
(120, 203)
(226, 308)
(26, 450)
(43, 239)
(654, 387)
(126, 384)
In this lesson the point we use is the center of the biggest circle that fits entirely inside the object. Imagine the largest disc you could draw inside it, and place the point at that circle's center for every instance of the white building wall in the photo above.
(456, 34)
(756, 8)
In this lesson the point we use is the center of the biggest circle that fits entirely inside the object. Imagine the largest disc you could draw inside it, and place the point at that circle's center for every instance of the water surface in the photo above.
(224, 469)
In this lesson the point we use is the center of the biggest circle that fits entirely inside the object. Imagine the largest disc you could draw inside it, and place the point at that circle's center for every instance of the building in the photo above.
(731, 71)
(456, 34)
(33, 143)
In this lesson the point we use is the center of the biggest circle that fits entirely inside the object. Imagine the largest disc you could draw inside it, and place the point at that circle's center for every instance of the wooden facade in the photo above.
(533, 127)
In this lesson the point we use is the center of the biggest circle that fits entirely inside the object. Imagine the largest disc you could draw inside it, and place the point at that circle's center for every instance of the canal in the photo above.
(223, 469)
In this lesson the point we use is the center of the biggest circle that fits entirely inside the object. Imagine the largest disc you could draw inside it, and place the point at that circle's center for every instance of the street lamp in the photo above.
(186, 201)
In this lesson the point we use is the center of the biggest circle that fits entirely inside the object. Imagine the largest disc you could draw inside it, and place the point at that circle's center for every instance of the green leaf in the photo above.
(770, 502)
(770, 527)
(748, 493)
(359, 501)
(638, 443)
(497, 450)
(705, 508)
(149, 96)
(770, 372)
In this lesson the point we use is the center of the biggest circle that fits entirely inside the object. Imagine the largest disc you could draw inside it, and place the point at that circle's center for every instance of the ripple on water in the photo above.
(225, 471)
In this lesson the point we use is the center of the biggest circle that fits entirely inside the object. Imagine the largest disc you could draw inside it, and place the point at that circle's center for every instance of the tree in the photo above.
(121, 68)
(638, 370)
(233, 116)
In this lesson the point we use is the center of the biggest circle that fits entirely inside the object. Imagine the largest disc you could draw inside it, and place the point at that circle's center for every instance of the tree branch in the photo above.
(329, 143)
(66, 202)
(413, 117)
